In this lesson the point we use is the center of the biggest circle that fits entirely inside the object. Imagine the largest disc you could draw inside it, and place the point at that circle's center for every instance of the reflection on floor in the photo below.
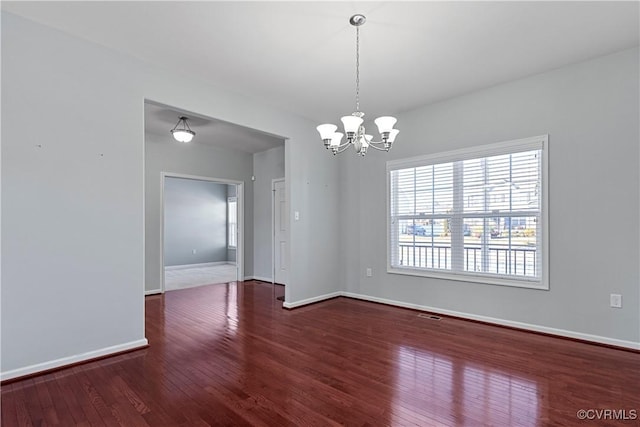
(190, 277)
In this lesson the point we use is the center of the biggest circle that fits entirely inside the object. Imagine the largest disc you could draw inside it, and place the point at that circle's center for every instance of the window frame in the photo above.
(541, 143)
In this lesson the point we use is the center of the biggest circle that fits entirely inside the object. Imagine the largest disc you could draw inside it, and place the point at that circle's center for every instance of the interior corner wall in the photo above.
(162, 154)
(267, 165)
(590, 112)
(75, 201)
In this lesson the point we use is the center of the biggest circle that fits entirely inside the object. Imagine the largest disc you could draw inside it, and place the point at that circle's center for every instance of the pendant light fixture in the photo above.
(353, 124)
(182, 132)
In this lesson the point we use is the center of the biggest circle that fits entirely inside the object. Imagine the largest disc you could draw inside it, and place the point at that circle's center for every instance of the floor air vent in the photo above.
(429, 316)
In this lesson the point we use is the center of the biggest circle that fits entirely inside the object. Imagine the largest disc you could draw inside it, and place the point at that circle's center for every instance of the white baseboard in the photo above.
(311, 300)
(502, 322)
(204, 264)
(263, 279)
(70, 360)
(152, 292)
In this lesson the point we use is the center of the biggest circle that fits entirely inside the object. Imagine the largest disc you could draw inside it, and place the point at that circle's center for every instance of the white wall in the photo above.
(71, 212)
(590, 111)
(267, 165)
(75, 205)
(162, 155)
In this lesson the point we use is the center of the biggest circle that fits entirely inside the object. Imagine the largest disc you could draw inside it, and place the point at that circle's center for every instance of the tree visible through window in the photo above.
(232, 221)
(472, 214)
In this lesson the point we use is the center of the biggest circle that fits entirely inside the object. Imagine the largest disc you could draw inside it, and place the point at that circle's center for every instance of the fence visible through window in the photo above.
(499, 260)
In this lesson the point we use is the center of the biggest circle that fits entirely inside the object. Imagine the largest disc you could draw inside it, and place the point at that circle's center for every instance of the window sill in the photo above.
(473, 278)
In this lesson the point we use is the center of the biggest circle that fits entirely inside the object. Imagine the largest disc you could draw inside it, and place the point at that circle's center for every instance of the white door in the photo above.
(280, 232)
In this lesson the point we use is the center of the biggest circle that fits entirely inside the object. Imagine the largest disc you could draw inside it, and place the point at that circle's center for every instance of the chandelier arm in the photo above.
(342, 148)
(377, 148)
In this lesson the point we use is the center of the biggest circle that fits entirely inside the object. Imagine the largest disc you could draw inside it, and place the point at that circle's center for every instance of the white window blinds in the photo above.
(475, 213)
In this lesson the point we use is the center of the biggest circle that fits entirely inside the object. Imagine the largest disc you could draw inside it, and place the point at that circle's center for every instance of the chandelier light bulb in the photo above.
(336, 139)
(362, 144)
(326, 131)
(385, 124)
(393, 134)
(351, 123)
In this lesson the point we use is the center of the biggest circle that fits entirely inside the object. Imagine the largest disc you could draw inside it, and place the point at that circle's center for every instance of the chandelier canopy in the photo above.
(356, 135)
(184, 132)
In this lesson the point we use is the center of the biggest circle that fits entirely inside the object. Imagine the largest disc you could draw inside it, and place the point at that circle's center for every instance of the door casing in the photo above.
(240, 199)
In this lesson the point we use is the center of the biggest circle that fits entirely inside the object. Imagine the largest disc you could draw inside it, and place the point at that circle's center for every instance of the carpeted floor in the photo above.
(190, 277)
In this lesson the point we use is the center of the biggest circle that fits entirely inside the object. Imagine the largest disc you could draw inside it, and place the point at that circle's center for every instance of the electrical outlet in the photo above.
(615, 300)
(369, 272)
(193, 251)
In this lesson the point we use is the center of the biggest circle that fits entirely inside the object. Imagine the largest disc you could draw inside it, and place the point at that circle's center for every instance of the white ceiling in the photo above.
(301, 55)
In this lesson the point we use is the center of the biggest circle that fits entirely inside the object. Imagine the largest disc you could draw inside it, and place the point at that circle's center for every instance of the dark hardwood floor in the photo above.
(227, 355)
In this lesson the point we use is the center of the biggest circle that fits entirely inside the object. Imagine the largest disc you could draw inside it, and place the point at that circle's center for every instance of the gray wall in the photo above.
(267, 165)
(196, 159)
(195, 219)
(590, 111)
(76, 204)
(73, 205)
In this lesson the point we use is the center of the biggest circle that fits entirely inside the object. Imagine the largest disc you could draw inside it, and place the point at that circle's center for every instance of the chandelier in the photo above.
(356, 135)
(183, 133)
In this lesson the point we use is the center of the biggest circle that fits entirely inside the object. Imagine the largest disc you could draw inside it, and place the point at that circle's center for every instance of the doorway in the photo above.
(223, 152)
(201, 231)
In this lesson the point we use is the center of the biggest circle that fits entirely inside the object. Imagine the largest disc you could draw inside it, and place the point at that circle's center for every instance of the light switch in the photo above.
(615, 300)
(296, 215)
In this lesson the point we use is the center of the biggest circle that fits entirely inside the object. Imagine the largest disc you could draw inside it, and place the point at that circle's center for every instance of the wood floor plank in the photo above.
(22, 409)
(229, 355)
(62, 412)
(49, 413)
(8, 405)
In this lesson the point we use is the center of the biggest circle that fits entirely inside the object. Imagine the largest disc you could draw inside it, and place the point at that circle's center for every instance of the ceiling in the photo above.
(300, 56)
(160, 119)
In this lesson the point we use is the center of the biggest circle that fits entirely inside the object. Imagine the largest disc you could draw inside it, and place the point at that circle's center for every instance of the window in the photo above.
(475, 215)
(232, 222)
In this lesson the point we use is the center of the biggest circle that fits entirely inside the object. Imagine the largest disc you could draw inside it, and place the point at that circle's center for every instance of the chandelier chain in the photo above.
(358, 69)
